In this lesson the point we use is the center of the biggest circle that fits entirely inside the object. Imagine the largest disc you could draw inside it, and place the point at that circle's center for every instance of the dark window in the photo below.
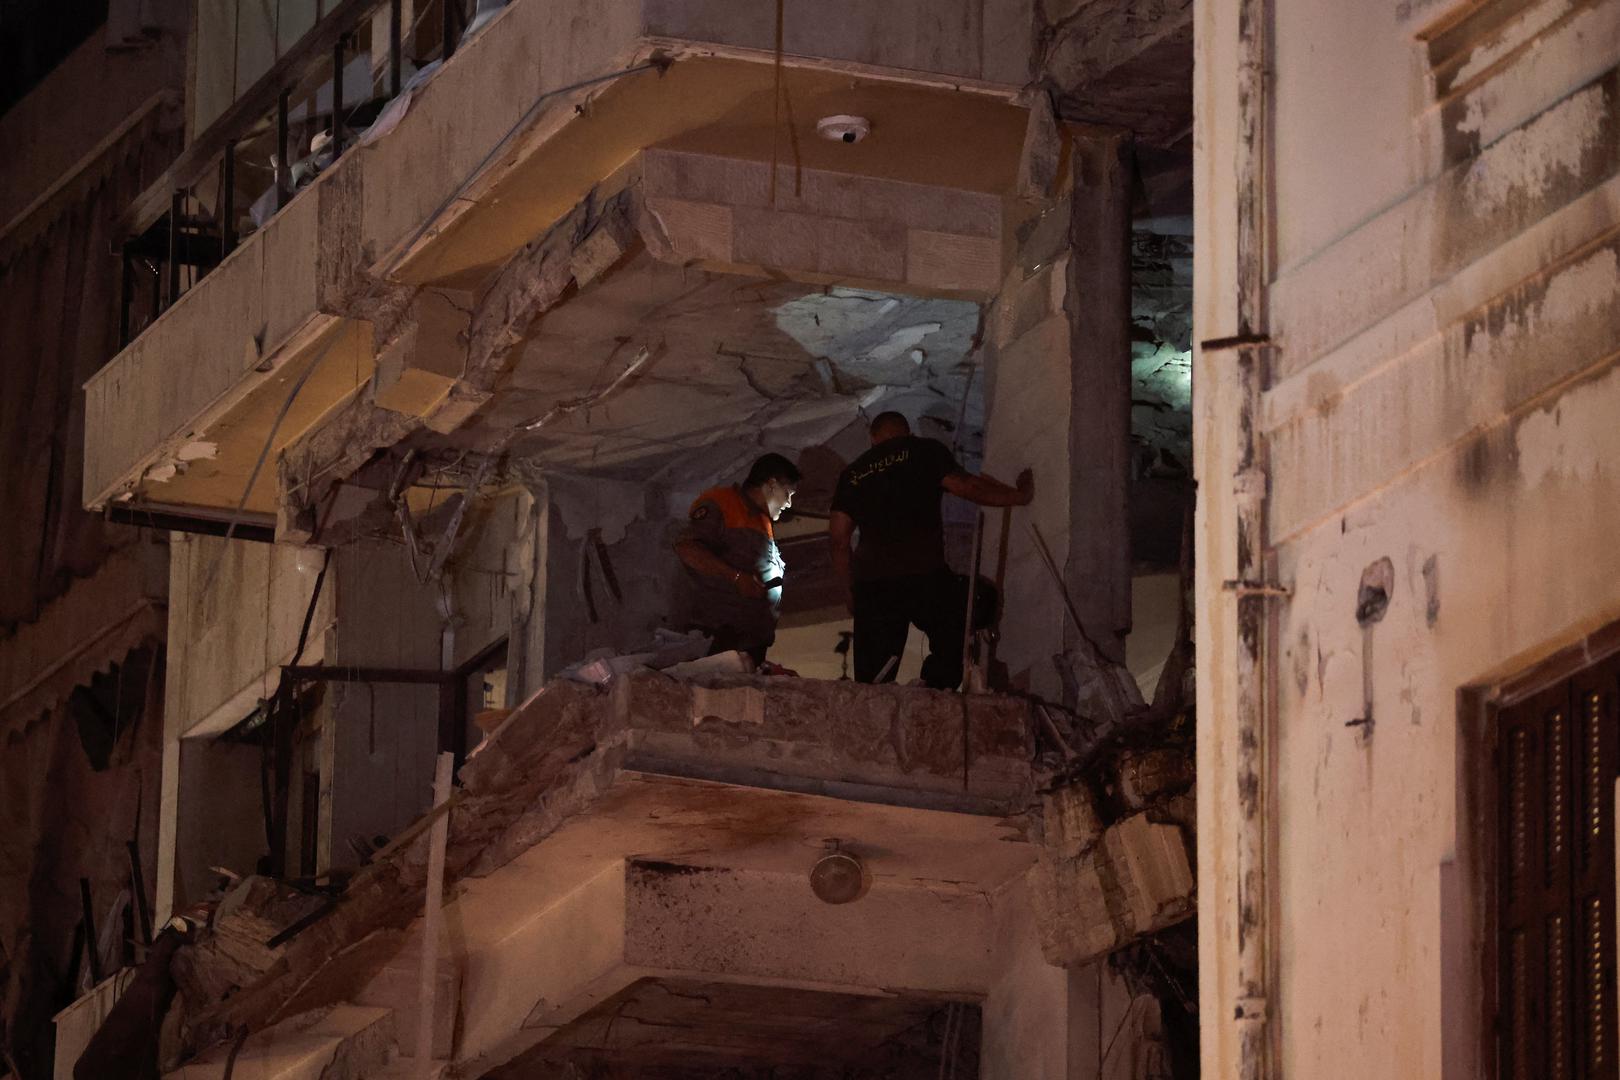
(1556, 856)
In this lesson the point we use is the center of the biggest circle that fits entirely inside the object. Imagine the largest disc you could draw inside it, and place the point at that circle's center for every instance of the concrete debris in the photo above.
(667, 650)
(1038, 163)
(728, 704)
(1096, 890)
(1137, 881)
(1149, 776)
(1071, 822)
(726, 663)
(236, 951)
(1157, 877)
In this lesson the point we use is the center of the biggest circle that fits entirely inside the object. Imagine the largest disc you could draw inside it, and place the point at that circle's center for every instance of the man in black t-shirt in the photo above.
(897, 575)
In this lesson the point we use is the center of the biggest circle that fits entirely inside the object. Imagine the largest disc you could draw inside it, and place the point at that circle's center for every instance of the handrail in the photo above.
(198, 158)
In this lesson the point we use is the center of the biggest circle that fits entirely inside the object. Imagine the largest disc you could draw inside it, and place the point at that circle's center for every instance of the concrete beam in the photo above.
(1098, 307)
(577, 781)
(637, 920)
(824, 226)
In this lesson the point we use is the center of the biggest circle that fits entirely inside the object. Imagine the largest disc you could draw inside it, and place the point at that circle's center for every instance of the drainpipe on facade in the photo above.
(1256, 565)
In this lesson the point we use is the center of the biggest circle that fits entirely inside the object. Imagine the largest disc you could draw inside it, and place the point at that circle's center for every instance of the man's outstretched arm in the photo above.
(988, 491)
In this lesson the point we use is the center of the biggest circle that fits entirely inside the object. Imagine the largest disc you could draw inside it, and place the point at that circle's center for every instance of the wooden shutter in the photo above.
(1556, 859)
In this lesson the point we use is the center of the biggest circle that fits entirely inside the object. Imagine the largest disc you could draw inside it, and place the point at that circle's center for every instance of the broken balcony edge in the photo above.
(572, 748)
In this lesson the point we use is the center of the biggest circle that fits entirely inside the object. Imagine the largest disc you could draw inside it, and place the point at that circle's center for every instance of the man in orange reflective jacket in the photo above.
(731, 569)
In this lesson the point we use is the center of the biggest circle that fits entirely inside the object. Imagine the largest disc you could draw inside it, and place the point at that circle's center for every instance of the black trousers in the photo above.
(886, 609)
(729, 639)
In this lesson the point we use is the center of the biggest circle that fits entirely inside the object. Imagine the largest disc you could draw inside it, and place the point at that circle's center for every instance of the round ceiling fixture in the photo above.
(844, 129)
(839, 877)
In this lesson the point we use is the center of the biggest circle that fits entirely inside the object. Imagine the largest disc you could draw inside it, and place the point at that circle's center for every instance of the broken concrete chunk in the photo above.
(253, 912)
(1147, 776)
(1138, 880)
(1153, 870)
(1038, 161)
(599, 251)
(728, 704)
(1072, 824)
(1072, 911)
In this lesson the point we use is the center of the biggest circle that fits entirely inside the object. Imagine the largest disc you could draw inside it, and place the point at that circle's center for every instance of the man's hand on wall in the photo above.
(1026, 486)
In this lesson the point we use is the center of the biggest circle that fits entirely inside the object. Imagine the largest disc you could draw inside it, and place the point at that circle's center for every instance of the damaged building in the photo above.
(431, 326)
(375, 351)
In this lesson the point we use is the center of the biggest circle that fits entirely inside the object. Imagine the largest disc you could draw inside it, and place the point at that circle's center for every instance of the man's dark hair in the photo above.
(890, 421)
(772, 467)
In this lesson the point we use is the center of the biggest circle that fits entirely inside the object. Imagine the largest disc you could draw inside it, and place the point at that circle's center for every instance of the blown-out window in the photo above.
(1556, 859)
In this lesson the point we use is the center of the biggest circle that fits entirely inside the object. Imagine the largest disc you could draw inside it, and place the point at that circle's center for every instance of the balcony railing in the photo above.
(315, 101)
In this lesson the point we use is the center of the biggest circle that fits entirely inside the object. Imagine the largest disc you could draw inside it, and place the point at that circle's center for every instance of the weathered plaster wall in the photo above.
(643, 565)
(46, 138)
(235, 609)
(1445, 310)
(221, 663)
(381, 739)
(1030, 384)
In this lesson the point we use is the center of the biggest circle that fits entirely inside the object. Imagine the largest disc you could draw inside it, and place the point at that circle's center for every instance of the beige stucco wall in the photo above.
(1445, 311)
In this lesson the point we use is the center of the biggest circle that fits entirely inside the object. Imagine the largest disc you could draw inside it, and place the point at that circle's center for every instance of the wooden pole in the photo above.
(432, 916)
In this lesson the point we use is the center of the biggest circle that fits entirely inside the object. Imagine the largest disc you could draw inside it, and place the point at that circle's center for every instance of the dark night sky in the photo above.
(35, 35)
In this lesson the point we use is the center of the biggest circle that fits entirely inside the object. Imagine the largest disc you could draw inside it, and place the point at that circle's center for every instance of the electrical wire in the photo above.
(264, 452)
(657, 63)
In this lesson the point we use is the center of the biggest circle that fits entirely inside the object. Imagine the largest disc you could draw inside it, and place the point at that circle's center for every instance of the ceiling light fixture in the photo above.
(838, 876)
(844, 129)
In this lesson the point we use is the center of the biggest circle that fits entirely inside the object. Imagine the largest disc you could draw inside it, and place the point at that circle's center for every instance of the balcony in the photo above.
(534, 124)
(653, 840)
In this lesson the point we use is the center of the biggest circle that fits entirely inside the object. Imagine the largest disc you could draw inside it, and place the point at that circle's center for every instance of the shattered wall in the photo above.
(1437, 408)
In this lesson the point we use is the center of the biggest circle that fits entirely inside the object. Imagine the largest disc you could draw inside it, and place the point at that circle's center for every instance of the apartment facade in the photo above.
(459, 306)
(1405, 382)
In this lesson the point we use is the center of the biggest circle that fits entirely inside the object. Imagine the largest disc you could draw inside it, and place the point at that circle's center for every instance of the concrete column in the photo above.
(1058, 388)
(1043, 1022)
(1098, 307)
(1026, 1012)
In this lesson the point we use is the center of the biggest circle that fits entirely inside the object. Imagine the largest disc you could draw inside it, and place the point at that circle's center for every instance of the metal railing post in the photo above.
(227, 202)
(283, 166)
(396, 27)
(337, 96)
(175, 206)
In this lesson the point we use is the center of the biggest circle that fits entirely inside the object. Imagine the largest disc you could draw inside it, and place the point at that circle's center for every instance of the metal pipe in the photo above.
(176, 204)
(323, 673)
(337, 95)
(972, 590)
(137, 885)
(432, 916)
(91, 940)
(126, 285)
(283, 166)
(396, 26)
(227, 202)
(1254, 611)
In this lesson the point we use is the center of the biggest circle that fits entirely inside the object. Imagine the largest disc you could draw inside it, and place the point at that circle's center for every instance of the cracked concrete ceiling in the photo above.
(732, 366)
